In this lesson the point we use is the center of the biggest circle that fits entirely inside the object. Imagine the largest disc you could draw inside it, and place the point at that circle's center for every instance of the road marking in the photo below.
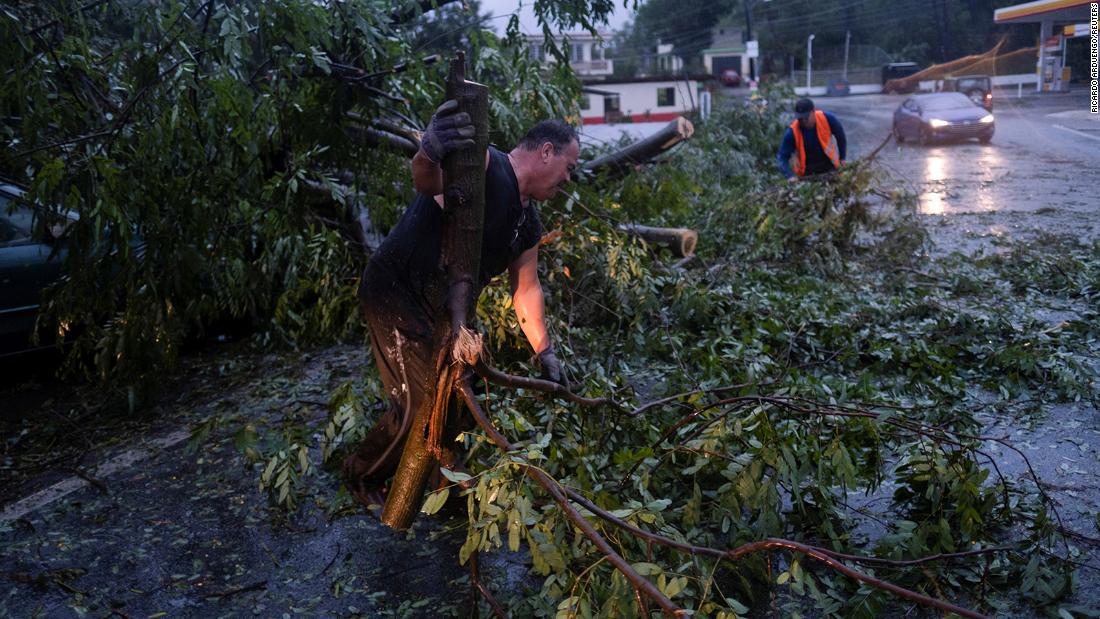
(1080, 133)
(65, 487)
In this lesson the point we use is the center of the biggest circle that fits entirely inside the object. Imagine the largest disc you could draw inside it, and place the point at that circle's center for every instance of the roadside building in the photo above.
(661, 95)
(644, 99)
(587, 53)
(1059, 21)
(727, 51)
(667, 61)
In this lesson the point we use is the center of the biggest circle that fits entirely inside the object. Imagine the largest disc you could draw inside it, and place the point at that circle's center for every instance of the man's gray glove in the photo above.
(551, 367)
(447, 132)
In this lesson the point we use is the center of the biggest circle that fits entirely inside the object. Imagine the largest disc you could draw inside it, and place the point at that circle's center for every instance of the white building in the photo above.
(667, 62)
(649, 99)
(657, 98)
(587, 53)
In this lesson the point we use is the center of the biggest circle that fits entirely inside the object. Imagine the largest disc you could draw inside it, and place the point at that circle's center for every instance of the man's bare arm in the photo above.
(527, 298)
(428, 177)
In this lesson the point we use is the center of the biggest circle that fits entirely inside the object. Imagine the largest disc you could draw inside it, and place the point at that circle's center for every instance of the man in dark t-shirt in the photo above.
(404, 289)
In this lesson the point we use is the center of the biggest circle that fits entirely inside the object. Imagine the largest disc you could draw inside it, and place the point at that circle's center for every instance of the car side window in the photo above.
(16, 224)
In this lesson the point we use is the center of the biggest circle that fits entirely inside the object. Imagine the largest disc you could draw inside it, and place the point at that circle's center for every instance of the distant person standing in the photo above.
(814, 143)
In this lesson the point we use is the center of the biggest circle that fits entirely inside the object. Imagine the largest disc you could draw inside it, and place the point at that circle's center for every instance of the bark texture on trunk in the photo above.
(681, 241)
(455, 345)
(621, 161)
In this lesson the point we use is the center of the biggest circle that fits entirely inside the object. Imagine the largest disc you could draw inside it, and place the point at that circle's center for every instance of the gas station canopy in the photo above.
(1043, 10)
(1053, 75)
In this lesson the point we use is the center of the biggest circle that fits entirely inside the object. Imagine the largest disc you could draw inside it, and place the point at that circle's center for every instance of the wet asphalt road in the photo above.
(1040, 174)
(171, 531)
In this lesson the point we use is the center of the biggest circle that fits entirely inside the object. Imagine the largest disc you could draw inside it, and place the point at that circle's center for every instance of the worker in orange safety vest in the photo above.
(814, 143)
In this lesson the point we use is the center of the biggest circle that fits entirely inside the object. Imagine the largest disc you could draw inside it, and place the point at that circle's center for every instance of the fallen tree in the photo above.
(623, 160)
(681, 241)
(458, 352)
(231, 159)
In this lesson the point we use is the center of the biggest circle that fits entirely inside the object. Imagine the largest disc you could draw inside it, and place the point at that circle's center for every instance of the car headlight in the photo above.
(937, 123)
(988, 118)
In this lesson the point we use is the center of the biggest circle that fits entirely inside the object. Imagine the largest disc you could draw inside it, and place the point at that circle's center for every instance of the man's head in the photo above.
(804, 111)
(547, 156)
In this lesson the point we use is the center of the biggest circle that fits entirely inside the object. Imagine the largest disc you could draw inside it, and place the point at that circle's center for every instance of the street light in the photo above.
(809, 61)
(847, 42)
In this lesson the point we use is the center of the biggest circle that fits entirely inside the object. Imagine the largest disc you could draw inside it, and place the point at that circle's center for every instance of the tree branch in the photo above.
(54, 22)
(822, 555)
(494, 375)
(559, 495)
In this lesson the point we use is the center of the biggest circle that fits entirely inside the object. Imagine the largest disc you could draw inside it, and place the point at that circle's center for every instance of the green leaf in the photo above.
(455, 476)
(435, 501)
(647, 569)
(737, 607)
(515, 528)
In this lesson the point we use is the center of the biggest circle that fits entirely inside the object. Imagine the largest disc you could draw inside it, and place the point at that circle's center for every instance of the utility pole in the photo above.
(809, 61)
(749, 4)
(847, 40)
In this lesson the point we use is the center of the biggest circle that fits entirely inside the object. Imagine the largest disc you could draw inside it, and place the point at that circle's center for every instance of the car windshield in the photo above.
(946, 101)
(972, 83)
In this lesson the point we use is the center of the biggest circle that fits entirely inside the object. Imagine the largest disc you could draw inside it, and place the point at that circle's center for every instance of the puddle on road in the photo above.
(943, 191)
(979, 198)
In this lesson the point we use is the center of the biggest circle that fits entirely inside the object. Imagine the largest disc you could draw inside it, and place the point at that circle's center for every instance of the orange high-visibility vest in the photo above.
(824, 136)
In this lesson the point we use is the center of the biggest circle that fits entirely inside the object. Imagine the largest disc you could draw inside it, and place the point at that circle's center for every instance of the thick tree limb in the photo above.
(455, 345)
(412, 135)
(681, 241)
(621, 161)
(373, 137)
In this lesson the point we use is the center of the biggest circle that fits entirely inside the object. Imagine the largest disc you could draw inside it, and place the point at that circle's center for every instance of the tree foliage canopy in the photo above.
(217, 157)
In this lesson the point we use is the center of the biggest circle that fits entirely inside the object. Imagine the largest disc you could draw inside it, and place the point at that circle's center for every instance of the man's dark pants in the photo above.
(407, 365)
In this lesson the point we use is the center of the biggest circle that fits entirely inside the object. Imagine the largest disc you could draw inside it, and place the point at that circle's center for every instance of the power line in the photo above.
(623, 52)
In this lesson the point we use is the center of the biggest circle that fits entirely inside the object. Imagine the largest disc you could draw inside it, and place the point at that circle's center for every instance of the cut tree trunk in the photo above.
(681, 241)
(455, 345)
(622, 161)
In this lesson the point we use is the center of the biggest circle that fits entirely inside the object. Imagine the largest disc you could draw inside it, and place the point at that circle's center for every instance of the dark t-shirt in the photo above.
(817, 162)
(405, 278)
